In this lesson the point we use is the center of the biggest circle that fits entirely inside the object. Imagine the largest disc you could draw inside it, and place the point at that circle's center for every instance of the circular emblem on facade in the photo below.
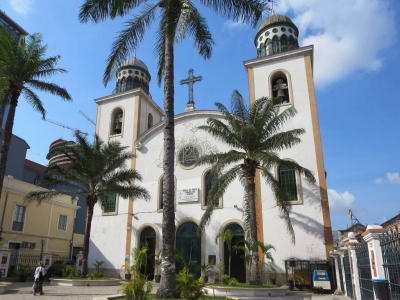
(274, 30)
(290, 30)
(137, 72)
(124, 72)
(188, 156)
(267, 33)
(283, 29)
(260, 39)
(130, 71)
(142, 74)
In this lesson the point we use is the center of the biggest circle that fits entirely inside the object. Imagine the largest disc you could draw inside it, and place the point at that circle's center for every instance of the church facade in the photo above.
(130, 116)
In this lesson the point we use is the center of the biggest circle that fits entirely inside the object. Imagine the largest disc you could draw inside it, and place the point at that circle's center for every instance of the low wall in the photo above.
(246, 292)
(77, 282)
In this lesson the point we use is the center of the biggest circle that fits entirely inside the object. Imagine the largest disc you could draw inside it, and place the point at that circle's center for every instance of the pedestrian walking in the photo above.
(39, 278)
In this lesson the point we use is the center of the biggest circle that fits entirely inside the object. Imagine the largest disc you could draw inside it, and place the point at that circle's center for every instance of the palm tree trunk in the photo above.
(254, 273)
(5, 146)
(86, 238)
(167, 287)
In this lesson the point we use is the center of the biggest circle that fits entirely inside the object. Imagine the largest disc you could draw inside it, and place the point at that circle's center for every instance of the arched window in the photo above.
(149, 121)
(275, 44)
(262, 50)
(117, 120)
(280, 87)
(284, 43)
(160, 204)
(123, 85)
(268, 47)
(291, 43)
(129, 83)
(136, 82)
(287, 180)
(208, 180)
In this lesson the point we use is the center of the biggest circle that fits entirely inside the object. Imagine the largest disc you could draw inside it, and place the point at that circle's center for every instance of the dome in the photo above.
(134, 62)
(276, 19)
(276, 34)
(132, 74)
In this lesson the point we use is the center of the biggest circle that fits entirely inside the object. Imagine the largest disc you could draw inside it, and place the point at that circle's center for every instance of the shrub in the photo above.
(69, 272)
(225, 279)
(138, 288)
(188, 286)
(233, 282)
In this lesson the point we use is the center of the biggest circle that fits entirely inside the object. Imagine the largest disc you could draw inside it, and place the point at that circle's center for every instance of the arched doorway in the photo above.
(148, 236)
(188, 243)
(238, 262)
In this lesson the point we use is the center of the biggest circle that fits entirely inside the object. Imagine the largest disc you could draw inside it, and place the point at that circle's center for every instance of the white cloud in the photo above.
(230, 24)
(340, 202)
(348, 36)
(22, 6)
(392, 178)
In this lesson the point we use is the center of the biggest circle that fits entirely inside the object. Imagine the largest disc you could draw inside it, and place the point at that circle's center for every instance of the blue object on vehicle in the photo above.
(381, 280)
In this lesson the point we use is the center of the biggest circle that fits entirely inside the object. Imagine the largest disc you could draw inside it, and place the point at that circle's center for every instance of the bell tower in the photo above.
(123, 116)
(285, 70)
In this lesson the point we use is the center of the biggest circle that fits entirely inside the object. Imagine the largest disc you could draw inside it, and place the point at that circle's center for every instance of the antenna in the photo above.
(87, 117)
(353, 218)
(65, 126)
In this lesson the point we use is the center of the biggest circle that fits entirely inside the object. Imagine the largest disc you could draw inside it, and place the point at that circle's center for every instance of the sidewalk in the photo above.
(298, 296)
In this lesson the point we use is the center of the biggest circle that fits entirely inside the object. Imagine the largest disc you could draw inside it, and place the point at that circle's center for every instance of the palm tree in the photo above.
(177, 19)
(98, 170)
(23, 66)
(255, 136)
(226, 237)
(249, 248)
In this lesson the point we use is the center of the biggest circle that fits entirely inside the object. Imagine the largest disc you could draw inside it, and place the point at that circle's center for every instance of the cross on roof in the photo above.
(190, 81)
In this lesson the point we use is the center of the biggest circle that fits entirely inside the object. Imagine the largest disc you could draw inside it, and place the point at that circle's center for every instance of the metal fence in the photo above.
(364, 272)
(390, 246)
(347, 275)
(27, 263)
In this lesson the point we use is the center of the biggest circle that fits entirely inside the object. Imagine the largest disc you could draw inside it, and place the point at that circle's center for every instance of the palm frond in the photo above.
(128, 40)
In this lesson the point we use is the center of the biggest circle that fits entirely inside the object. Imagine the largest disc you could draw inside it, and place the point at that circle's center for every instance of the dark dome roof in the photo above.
(134, 62)
(275, 19)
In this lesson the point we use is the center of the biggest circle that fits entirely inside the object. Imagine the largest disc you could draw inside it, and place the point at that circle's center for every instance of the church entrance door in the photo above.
(238, 262)
(188, 243)
(148, 236)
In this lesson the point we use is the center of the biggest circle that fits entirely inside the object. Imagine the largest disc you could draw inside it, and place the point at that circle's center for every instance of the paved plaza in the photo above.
(23, 291)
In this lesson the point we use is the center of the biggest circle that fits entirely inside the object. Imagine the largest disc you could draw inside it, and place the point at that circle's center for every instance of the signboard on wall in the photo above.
(188, 195)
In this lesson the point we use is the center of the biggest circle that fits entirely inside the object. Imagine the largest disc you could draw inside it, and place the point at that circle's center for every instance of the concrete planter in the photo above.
(246, 292)
(77, 282)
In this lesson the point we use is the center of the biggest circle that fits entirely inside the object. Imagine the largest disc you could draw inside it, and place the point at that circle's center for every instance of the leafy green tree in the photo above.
(227, 238)
(177, 20)
(97, 171)
(255, 135)
(23, 68)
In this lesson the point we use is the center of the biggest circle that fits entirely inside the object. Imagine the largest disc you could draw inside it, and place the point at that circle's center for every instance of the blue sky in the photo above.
(356, 72)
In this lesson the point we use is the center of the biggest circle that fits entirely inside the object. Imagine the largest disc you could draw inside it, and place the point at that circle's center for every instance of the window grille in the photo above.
(111, 203)
(287, 179)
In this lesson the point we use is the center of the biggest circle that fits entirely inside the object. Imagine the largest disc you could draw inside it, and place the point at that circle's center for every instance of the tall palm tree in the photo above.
(177, 19)
(227, 238)
(98, 170)
(255, 135)
(23, 66)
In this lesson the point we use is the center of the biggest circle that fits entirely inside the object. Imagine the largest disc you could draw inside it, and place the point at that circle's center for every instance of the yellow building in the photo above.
(29, 228)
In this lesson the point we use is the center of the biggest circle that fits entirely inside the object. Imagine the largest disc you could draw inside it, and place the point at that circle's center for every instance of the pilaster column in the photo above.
(79, 260)
(335, 255)
(371, 236)
(351, 244)
(341, 251)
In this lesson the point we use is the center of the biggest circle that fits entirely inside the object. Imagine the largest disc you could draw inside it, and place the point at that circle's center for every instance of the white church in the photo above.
(131, 117)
